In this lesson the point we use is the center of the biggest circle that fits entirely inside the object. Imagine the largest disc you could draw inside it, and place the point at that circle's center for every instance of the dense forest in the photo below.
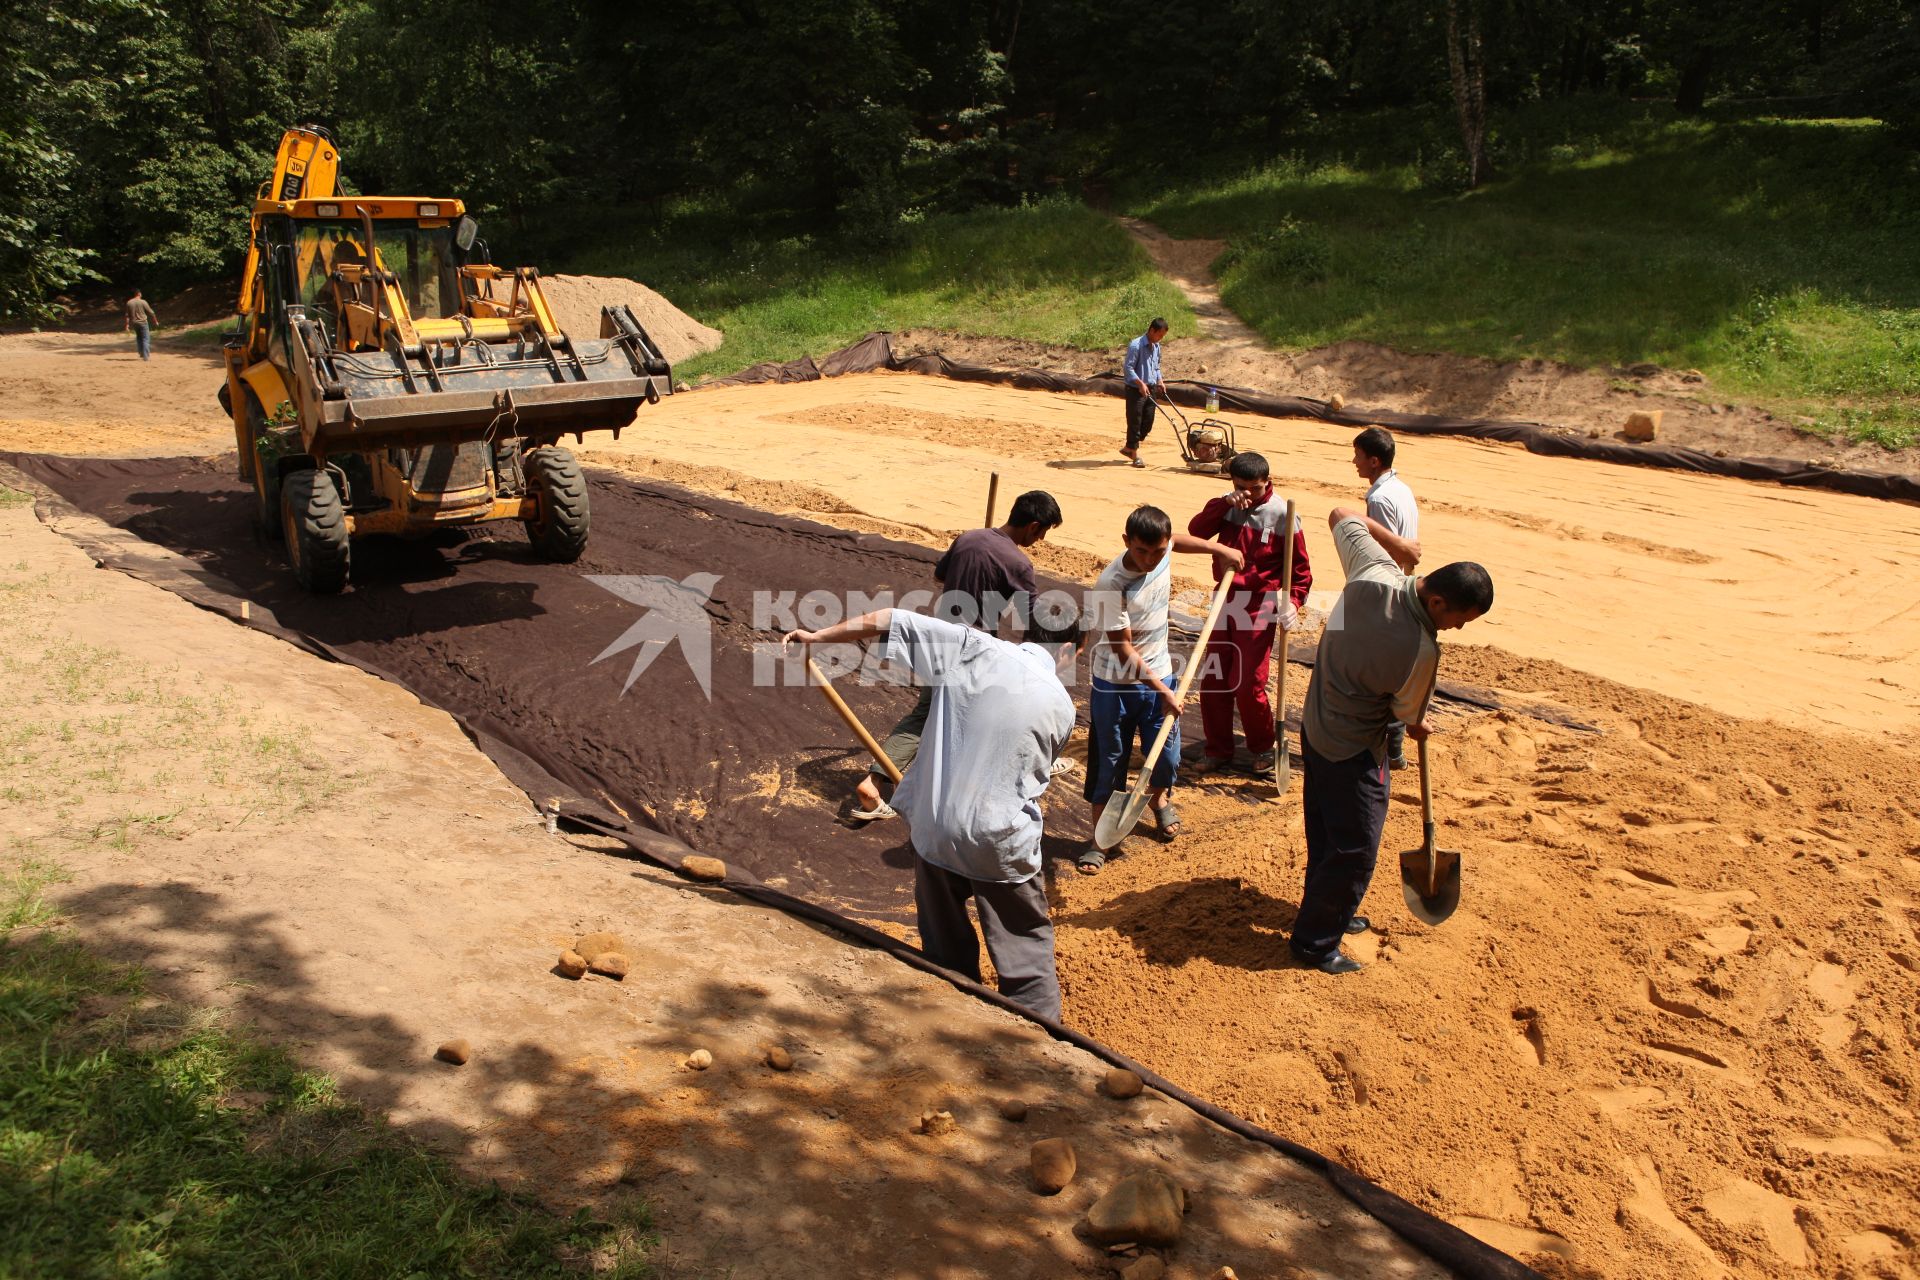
(133, 132)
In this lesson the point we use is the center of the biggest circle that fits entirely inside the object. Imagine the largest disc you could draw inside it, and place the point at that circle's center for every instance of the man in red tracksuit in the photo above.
(1249, 520)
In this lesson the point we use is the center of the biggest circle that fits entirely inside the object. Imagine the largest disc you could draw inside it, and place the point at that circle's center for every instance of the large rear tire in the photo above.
(559, 531)
(315, 525)
(266, 484)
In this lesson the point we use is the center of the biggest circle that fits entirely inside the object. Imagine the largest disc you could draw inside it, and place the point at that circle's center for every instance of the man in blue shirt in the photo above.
(1142, 372)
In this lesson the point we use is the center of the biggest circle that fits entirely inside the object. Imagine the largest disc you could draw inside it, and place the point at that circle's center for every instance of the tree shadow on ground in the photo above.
(583, 1094)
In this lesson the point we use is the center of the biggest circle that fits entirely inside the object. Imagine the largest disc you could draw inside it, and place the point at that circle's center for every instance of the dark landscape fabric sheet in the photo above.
(875, 351)
(476, 625)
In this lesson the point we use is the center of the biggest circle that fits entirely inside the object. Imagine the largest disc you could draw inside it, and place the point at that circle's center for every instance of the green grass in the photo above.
(1775, 256)
(1050, 271)
(141, 1139)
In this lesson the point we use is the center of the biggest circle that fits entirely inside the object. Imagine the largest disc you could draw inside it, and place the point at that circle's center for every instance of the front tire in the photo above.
(314, 523)
(559, 532)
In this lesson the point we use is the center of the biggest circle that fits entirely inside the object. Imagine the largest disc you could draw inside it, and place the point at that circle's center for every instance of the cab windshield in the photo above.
(422, 258)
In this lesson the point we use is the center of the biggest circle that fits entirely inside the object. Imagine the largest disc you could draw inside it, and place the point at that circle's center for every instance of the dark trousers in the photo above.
(1139, 417)
(1014, 919)
(1345, 802)
(903, 744)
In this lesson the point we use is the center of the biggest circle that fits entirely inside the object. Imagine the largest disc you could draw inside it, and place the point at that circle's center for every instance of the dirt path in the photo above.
(310, 849)
(1757, 600)
(1189, 264)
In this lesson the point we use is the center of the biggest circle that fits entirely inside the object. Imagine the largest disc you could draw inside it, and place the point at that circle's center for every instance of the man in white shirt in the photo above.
(999, 717)
(1389, 502)
(1127, 624)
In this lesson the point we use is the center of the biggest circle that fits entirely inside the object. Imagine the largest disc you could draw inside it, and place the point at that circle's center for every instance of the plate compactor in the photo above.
(1206, 446)
(386, 378)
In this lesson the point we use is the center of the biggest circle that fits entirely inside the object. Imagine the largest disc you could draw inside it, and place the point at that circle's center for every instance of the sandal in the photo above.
(1167, 819)
(1211, 764)
(1262, 763)
(874, 815)
(1090, 859)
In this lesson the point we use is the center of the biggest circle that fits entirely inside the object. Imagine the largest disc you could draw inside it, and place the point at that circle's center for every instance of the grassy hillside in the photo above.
(1054, 271)
(1776, 256)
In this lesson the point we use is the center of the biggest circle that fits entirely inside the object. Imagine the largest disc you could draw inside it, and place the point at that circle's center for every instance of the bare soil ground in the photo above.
(292, 843)
(1671, 1032)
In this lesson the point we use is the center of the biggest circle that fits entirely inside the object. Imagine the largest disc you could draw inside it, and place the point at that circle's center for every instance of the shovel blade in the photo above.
(1118, 820)
(1430, 881)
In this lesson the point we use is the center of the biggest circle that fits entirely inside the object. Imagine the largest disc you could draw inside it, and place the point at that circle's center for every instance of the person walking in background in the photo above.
(1390, 502)
(999, 716)
(1378, 659)
(1142, 372)
(981, 574)
(141, 319)
(1127, 625)
(1248, 519)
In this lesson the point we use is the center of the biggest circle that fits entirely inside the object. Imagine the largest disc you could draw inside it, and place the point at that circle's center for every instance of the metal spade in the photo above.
(1115, 822)
(1429, 877)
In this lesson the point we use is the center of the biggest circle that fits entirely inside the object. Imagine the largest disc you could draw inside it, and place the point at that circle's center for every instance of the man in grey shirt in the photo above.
(140, 319)
(1378, 659)
(999, 718)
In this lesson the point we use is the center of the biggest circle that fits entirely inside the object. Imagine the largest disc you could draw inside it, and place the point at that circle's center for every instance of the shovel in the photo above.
(1282, 760)
(1429, 877)
(1116, 823)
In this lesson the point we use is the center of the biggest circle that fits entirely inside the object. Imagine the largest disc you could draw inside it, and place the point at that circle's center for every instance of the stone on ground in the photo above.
(595, 944)
(610, 964)
(1146, 1267)
(779, 1059)
(699, 1060)
(1643, 425)
(1146, 1207)
(455, 1051)
(936, 1124)
(1052, 1164)
(572, 965)
(1336, 402)
(1014, 1109)
(700, 867)
(1122, 1083)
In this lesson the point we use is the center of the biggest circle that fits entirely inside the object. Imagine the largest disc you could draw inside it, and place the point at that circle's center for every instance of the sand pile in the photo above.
(576, 303)
(1671, 1030)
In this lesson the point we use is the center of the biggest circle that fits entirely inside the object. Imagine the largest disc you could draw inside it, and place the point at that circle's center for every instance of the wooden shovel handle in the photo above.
(1180, 691)
(839, 704)
(1282, 762)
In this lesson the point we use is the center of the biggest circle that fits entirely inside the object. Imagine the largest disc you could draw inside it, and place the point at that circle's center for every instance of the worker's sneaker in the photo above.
(1359, 924)
(884, 810)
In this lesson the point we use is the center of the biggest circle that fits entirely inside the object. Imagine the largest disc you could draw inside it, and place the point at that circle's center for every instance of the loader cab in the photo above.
(421, 255)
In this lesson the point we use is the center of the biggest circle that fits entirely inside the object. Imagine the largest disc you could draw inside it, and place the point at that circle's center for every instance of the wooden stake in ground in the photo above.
(839, 704)
(1282, 761)
(993, 494)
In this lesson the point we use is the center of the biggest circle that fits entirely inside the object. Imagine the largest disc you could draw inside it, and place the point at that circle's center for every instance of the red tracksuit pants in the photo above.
(1235, 674)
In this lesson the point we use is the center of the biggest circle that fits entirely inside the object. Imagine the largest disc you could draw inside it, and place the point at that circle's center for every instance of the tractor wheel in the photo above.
(315, 526)
(266, 484)
(559, 531)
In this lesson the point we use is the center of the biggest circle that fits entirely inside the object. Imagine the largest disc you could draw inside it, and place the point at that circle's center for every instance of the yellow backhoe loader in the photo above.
(387, 378)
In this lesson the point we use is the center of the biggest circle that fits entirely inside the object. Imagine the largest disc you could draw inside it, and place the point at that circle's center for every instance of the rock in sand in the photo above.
(572, 965)
(779, 1059)
(699, 867)
(610, 964)
(699, 1060)
(455, 1051)
(1643, 426)
(1146, 1207)
(1336, 402)
(1122, 1083)
(1052, 1164)
(1146, 1267)
(1013, 1109)
(594, 945)
(936, 1124)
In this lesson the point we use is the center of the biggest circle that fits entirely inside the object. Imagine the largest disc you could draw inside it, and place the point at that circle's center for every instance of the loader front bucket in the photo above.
(454, 392)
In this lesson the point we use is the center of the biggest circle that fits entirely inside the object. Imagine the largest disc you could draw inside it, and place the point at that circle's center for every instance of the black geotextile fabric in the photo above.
(875, 351)
(474, 624)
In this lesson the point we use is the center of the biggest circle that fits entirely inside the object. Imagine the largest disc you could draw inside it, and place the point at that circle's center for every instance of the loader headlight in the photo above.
(429, 211)
(326, 210)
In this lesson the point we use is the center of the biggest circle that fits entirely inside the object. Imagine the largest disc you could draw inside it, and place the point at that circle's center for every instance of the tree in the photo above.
(1467, 69)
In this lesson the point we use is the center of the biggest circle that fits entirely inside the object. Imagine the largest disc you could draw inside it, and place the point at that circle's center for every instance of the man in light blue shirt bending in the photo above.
(999, 719)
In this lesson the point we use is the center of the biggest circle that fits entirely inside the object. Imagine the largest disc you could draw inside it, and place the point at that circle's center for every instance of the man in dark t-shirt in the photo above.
(982, 575)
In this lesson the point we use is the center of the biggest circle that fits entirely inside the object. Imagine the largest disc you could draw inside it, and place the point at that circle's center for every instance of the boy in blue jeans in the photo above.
(1127, 625)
